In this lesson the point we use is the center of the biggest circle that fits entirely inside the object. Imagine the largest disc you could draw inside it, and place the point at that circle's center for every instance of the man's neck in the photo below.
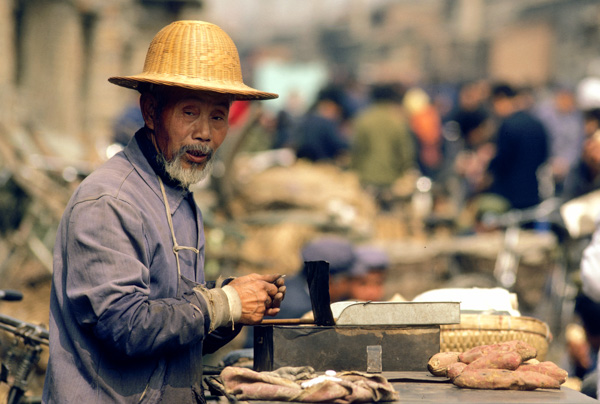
(151, 151)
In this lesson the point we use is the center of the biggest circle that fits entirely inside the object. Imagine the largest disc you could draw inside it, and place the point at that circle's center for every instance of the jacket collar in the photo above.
(143, 155)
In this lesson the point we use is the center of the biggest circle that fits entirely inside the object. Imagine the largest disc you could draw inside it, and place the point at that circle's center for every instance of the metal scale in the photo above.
(363, 336)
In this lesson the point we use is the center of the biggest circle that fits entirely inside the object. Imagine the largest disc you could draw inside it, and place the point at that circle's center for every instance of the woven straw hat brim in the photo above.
(196, 55)
(240, 92)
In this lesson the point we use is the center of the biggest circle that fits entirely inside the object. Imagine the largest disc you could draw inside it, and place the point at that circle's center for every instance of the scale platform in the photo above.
(368, 337)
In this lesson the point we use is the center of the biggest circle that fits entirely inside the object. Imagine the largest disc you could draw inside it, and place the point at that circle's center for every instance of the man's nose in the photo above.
(202, 130)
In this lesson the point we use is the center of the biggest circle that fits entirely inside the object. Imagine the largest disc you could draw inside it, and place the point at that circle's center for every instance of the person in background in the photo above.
(582, 179)
(471, 96)
(589, 303)
(382, 146)
(426, 125)
(131, 314)
(565, 125)
(367, 276)
(584, 176)
(586, 367)
(126, 124)
(339, 253)
(478, 149)
(470, 165)
(317, 135)
(522, 147)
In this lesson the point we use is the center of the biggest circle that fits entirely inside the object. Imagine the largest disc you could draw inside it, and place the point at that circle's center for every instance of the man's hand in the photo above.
(260, 295)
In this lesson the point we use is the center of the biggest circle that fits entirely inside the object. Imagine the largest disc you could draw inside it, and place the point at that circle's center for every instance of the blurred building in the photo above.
(56, 58)
(58, 54)
(450, 41)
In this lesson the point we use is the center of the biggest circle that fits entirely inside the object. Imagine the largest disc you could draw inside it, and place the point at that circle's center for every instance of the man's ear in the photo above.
(148, 108)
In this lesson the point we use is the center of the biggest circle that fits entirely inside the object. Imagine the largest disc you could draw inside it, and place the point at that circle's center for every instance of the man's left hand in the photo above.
(251, 288)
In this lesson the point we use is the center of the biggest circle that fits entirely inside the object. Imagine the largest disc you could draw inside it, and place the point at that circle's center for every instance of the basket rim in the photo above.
(500, 323)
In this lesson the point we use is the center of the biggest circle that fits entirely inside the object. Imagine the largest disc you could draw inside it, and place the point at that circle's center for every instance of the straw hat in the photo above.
(197, 55)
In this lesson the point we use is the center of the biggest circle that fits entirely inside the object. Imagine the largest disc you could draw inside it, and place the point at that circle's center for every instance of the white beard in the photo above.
(192, 175)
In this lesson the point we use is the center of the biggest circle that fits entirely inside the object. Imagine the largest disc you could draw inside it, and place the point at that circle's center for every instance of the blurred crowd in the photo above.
(486, 145)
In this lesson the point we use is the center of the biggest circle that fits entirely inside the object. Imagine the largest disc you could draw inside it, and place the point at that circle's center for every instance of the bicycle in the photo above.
(557, 305)
(23, 354)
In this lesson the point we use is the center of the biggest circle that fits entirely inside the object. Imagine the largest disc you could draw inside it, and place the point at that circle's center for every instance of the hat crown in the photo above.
(194, 50)
(196, 55)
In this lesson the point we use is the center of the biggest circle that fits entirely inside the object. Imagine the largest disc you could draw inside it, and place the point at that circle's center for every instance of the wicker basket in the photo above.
(485, 329)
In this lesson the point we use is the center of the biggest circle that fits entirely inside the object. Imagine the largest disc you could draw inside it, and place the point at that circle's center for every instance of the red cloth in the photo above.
(238, 113)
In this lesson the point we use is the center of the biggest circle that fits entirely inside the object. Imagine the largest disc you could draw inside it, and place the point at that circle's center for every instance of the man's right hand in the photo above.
(260, 295)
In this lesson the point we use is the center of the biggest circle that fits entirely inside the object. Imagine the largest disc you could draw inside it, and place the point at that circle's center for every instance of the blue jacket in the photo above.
(522, 147)
(125, 327)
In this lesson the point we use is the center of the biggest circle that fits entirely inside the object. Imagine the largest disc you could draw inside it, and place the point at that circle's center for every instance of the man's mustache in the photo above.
(199, 148)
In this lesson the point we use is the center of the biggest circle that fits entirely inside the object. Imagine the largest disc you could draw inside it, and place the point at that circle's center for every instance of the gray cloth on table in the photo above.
(285, 384)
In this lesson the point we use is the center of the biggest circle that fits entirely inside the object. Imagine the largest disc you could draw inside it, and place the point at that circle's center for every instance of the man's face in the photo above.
(565, 102)
(502, 106)
(369, 287)
(339, 287)
(189, 127)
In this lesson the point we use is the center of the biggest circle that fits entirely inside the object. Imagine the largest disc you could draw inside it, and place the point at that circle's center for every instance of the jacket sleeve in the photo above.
(358, 148)
(504, 150)
(107, 283)
(405, 148)
(220, 337)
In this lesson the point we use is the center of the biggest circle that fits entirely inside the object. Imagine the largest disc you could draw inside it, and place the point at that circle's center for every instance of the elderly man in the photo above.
(131, 314)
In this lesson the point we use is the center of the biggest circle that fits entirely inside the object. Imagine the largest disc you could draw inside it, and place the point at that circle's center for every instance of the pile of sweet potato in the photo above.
(509, 365)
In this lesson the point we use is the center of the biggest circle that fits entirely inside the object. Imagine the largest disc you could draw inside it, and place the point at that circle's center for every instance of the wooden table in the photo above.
(422, 387)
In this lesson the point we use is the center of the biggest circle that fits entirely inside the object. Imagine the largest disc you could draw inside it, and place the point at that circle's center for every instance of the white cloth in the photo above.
(484, 300)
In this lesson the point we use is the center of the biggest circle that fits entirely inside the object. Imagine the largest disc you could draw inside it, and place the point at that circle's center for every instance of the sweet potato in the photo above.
(455, 369)
(534, 380)
(525, 350)
(522, 348)
(502, 379)
(439, 362)
(546, 368)
(474, 353)
(497, 360)
(495, 379)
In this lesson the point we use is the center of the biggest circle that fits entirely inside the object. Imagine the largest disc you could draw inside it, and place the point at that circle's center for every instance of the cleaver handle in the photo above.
(318, 288)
